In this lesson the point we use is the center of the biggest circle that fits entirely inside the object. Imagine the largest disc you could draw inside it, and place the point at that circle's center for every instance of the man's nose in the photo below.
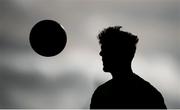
(100, 53)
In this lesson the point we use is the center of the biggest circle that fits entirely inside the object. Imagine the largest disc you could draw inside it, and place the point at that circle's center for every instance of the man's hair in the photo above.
(114, 36)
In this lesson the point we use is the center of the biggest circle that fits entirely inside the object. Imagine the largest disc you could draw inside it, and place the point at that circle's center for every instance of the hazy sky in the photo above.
(156, 22)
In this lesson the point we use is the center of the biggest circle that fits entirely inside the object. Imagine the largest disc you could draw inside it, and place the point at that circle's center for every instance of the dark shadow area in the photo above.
(125, 89)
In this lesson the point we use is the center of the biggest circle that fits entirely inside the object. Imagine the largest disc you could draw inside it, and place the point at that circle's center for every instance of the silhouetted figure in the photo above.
(125, 89)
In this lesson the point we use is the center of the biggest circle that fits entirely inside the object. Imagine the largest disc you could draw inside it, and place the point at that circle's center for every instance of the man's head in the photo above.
(117, 48)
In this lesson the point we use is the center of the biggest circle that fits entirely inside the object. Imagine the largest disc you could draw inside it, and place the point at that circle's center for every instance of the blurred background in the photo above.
(68, 80)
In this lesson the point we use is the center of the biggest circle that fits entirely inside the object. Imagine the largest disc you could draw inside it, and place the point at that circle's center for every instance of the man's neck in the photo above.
(122, 73)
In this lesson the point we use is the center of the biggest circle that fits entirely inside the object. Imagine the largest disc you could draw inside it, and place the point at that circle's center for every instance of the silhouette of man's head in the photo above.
(117, 48)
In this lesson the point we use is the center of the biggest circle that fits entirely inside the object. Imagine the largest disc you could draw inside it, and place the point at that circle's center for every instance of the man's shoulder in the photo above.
(146, 86)
(137, 79)
(100, 91)
(105, 86)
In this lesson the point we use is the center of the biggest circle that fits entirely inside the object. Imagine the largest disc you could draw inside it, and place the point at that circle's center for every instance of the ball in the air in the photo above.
(48, 38)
